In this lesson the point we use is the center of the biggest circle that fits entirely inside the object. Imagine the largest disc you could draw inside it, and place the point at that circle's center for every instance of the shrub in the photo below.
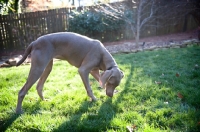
(89, 22)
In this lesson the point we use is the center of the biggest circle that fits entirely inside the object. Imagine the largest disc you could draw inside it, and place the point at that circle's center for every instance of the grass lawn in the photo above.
(160, 92)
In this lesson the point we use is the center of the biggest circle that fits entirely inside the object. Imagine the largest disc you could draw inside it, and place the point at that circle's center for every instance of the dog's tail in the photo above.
(26, 53)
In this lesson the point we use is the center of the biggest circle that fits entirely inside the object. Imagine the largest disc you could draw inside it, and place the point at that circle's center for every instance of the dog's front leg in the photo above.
(84, 73)
(95, 73)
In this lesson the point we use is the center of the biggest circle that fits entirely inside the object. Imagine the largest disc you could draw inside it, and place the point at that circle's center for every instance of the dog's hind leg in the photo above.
(38, 65)
(43, 78)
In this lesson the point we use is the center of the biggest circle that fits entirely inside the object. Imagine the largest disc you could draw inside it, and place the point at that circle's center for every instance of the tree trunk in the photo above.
(137, 37)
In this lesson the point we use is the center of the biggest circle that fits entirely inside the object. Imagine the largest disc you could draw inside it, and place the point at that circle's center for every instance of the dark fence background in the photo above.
(17, 31)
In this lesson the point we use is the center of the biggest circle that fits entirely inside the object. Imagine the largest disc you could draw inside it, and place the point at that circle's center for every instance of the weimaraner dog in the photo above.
(87, 54)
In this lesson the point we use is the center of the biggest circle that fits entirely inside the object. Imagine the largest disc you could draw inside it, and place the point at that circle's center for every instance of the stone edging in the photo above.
(129, 47)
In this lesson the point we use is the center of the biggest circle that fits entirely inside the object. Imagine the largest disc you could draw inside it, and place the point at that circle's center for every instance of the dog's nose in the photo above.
(109, 94)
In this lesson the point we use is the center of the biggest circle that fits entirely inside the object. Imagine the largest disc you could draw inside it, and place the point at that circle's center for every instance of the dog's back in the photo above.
(73, 47)
(67, 46)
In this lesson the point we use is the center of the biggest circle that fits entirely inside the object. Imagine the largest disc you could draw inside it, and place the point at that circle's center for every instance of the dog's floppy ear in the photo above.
(122, 73)
(105, 77)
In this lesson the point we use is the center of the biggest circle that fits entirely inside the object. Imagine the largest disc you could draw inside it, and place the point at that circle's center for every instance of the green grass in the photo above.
(141, 103)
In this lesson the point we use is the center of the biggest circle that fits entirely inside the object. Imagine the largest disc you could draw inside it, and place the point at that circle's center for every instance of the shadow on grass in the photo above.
(96, 120)
(8, 122)
(35, 108)
(75, 119)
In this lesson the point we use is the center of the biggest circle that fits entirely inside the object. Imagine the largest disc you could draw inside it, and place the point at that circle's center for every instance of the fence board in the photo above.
(17, 31)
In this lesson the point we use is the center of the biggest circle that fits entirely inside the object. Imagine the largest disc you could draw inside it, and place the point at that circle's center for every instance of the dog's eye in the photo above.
(112, 80)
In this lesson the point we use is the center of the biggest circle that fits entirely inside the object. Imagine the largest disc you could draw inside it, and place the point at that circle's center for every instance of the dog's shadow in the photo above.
(84, 118)
(4, 124)
(78, 123)
(8, 122)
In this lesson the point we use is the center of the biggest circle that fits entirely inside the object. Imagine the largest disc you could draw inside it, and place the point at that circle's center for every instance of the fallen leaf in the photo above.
(196, 66)
(131, 128)
(166, 102)
(158, 82)
(199, 123)
(180, 95)
(134, 126)
(177, 74)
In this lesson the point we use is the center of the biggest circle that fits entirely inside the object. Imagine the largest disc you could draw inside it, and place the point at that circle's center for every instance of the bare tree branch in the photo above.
(150, 13)
(150, 16)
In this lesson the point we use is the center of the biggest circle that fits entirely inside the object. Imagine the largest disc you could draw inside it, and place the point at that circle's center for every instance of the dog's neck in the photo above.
(115, 66)
(107, 62)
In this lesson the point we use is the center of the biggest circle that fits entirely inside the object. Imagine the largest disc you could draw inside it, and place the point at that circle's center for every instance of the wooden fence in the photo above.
(18, 30)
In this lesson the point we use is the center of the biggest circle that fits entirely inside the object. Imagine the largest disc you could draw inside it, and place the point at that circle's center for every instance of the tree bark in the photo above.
(137, 37)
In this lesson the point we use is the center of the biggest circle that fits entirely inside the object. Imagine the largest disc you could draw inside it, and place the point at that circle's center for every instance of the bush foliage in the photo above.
(89, 22)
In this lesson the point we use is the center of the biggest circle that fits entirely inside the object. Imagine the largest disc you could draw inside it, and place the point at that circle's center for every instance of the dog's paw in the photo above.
(94, 99)
(19, 112)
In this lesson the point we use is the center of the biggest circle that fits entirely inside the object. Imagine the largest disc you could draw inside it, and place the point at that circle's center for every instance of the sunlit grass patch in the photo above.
(160, 92)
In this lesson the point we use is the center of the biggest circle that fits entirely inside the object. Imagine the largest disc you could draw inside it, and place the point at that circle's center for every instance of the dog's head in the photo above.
(110, 79)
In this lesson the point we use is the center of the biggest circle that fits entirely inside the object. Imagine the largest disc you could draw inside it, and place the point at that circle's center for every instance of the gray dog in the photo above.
(88, 55)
